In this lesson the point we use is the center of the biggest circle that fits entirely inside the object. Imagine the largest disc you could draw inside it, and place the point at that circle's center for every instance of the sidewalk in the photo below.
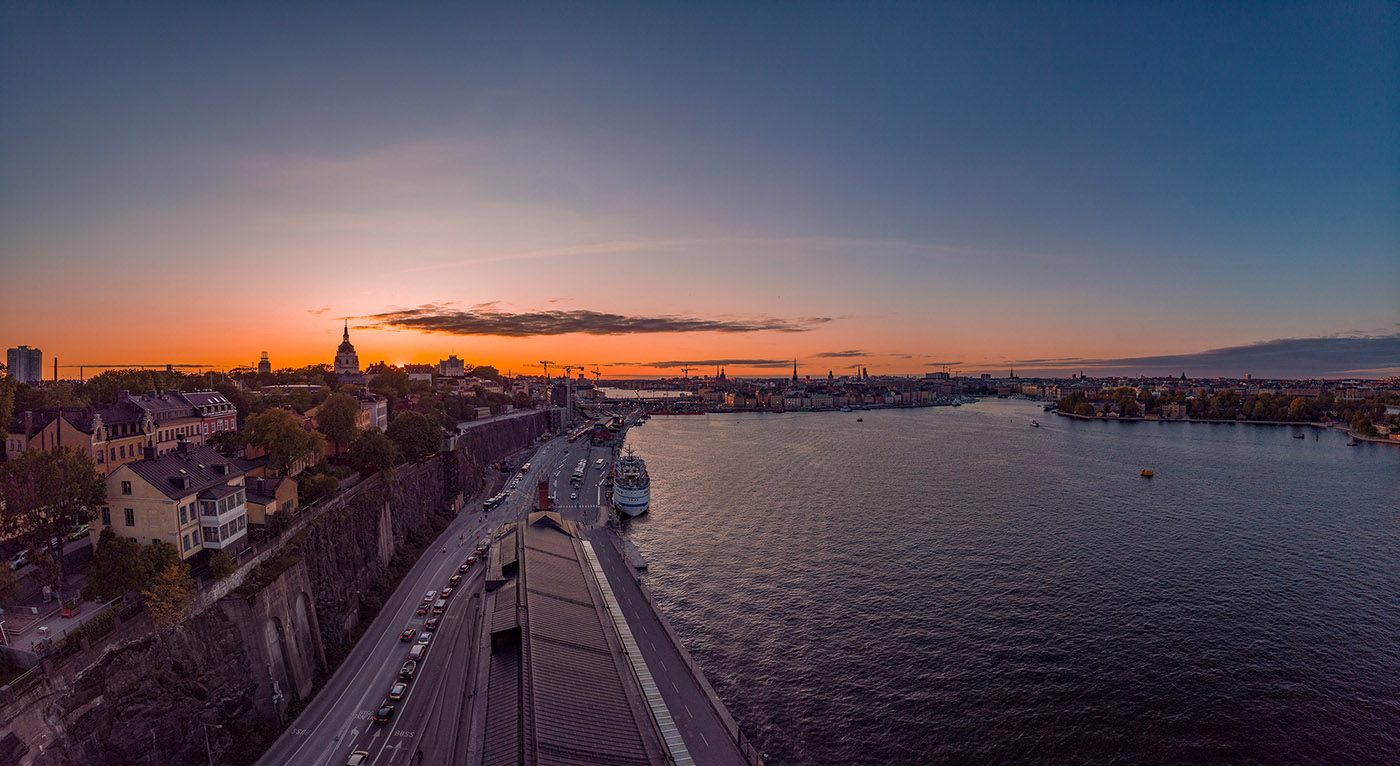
(30, 621)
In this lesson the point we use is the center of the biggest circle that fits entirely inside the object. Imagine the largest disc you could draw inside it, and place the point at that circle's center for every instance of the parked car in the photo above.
(409, 668)
(396, 691)
(20, 559)
(384, 714)
(408, 634)
(79, 532)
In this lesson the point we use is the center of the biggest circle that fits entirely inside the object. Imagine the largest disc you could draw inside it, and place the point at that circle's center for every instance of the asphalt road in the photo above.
(432, 716)
(338, 721)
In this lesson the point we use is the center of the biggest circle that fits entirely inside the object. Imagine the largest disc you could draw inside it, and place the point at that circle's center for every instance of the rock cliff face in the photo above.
(239, 671)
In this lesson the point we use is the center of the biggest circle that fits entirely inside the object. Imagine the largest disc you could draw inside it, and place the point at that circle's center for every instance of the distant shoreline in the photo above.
(1308, 424)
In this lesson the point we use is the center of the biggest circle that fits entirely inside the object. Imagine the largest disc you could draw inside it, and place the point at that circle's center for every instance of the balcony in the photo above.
(223, 516)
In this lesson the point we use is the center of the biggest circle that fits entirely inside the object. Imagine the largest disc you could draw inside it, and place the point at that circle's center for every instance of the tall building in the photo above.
(347, 362)
(452, 367)
(25, 364)
(265, 365)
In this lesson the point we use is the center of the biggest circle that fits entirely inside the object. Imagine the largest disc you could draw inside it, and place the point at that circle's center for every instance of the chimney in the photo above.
(149, 452)
(123, 396)
(183, 447)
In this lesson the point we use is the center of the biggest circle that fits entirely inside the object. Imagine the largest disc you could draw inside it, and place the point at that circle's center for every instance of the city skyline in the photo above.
(1054, 188)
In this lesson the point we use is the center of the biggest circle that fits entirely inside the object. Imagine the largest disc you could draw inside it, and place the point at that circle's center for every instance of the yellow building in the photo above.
(192, 498)
(270, 495)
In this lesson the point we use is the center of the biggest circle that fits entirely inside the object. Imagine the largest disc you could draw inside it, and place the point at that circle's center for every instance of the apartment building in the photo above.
(193, 498)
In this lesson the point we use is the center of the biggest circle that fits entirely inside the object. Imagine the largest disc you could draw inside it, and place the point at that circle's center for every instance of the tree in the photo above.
(169, 594)
(393, 382)
(116, 566)
(154, 559)
(46, 494)
(313, 488)
(221, 565)
(522, 401)
(338, 418)
(230, 444)
(7, 404)
(416, 435)
(284, 437)
(373, 451)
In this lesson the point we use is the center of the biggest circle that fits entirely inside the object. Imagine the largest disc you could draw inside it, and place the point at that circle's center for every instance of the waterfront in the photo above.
(952, 585)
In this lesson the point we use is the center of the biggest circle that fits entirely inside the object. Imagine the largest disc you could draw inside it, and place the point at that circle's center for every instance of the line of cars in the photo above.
(434, 605)
(21, 558)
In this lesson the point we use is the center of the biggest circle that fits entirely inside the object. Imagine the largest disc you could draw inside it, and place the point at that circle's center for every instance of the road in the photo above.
(432, 716)
(338, 720)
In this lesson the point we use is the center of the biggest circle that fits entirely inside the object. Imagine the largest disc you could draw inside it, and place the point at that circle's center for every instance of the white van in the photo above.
(416, 652)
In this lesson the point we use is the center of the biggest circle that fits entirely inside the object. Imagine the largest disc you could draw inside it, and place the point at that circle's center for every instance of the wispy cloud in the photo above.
(488, 320)
(318, 312)
(1333, 356)
(841, 354)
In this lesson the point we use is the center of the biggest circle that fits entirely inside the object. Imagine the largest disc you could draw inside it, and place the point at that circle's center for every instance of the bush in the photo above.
(221, 565)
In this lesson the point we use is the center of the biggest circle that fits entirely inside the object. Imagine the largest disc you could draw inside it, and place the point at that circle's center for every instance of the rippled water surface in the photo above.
(950, 585)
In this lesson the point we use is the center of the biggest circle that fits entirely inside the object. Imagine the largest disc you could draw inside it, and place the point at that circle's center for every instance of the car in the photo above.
(422, 609)
(453, 580)
(396, 691)
(424, 638)
(432, 594)
(573, 495)
(358, 758)
(464, 567)
(384, 714)
(408, 634)
(79, 532)
(21, 559)
(480, 551)
(471, 560)
(446, 592)
(409, 668)
(431, 624)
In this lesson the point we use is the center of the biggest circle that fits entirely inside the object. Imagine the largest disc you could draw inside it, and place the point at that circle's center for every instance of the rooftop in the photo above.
(202, 466)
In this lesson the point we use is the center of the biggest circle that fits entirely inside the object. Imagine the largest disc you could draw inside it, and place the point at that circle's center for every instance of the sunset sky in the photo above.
(1102, 186)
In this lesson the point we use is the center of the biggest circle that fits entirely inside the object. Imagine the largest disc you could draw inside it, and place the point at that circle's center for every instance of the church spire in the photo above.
(346, 337)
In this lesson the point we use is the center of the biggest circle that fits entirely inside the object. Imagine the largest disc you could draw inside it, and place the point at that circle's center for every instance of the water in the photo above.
(950, 585)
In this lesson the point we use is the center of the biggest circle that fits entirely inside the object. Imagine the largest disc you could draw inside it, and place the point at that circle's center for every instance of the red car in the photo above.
(408, 634)
(421, 610)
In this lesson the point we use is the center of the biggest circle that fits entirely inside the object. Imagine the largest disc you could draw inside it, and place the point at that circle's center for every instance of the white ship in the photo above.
(631, 491)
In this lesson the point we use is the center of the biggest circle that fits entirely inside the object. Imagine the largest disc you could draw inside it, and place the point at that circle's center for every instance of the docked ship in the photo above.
(631, 490)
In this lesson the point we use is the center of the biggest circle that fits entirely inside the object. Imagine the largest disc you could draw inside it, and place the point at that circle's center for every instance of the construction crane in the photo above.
(568, 371)
(686, 370)
(546, 365)
(597, 375)
(198, 368)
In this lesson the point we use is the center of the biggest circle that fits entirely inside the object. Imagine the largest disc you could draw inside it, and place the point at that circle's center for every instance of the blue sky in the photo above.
(1029, 181)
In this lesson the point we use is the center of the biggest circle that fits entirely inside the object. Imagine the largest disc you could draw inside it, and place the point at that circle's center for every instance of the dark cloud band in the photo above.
(450, 321)
(1340, 356)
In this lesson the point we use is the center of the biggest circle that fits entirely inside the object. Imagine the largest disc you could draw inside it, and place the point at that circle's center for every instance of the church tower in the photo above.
(347, 362)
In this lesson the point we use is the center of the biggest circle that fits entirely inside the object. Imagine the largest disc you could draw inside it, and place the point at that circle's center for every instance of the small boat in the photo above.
(860, 420)
(1035, 424)
(1353, 443)
(1298, 436)
(1146, 473)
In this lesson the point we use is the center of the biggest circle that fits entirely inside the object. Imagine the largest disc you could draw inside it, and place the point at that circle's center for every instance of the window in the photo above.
(211, 535)
(130, 517)
(106, 517)
(183, 518)
(185, 542)
(112, 453)
(100, 454)
(195, 535)
(123, 452)
(126, 488)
